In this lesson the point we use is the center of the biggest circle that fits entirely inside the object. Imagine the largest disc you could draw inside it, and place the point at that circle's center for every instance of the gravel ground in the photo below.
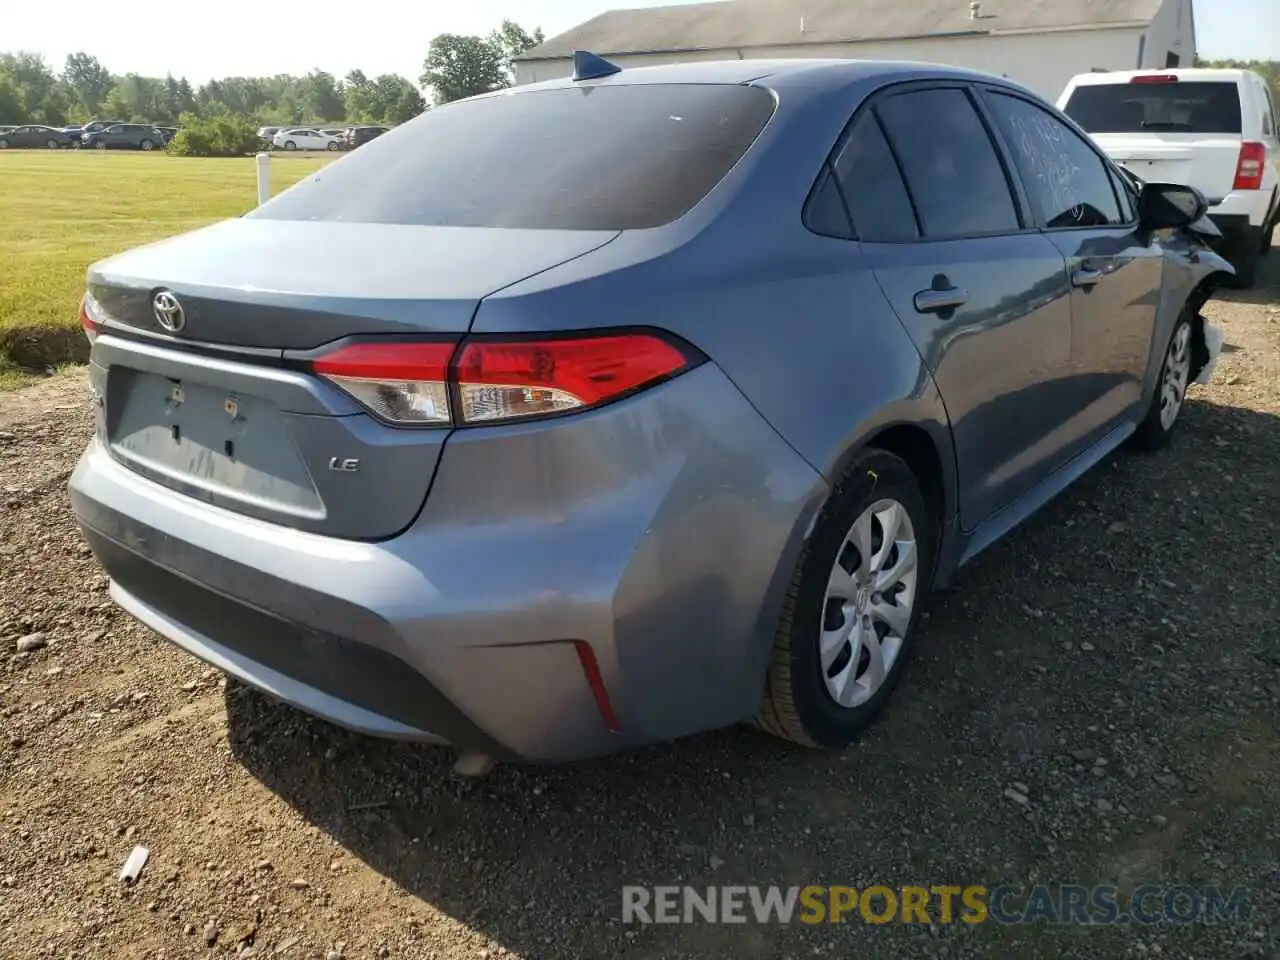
(1118, 659)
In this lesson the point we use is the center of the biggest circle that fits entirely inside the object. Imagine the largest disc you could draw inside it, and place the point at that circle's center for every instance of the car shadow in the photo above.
(535, 857)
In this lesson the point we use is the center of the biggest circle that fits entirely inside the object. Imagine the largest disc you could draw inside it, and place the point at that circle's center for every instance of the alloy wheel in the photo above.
(1173, 379)
(867, 609)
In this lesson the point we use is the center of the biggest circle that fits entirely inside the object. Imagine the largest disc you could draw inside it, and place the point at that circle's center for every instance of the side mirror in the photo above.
(1163, 206)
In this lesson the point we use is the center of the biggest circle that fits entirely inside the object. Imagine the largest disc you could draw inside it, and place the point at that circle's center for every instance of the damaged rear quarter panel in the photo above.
(1192, 273)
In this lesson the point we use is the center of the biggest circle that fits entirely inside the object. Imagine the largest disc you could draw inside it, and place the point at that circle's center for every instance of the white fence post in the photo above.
(264, 178)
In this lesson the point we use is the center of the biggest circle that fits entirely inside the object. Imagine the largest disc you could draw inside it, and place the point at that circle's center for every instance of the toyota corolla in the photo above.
(606, 410)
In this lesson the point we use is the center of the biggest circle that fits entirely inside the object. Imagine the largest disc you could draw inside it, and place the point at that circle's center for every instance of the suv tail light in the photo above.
(1249, 169)
(495, 379)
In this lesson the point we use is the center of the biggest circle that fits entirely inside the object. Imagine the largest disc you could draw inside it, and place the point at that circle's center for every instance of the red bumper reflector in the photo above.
(591, 670)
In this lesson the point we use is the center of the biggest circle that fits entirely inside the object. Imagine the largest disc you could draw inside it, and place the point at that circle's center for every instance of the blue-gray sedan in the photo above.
(606, 410)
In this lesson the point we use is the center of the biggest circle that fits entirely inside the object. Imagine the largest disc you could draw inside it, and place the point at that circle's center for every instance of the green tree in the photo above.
(88, 79)
(358, 95)
(56, 105)
(33, 78)
(13, 108)
(407, 105)
(512, 40)
(460, 66)
(323, 99)
(186, 97)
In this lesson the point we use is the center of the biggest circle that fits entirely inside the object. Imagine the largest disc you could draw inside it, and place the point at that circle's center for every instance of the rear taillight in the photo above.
(1155, 78)
(401, 382)
(87, 321)
(504, 380)
(1251, 166)
(494, 379)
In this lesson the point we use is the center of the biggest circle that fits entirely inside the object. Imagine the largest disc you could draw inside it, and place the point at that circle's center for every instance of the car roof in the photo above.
(819, 72)
(1202, 74)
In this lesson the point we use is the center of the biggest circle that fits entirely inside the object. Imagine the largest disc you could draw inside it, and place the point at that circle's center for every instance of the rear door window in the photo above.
(1153, 107)
(1068, 182)
(609, 157)
(872, 184)
(953, 173)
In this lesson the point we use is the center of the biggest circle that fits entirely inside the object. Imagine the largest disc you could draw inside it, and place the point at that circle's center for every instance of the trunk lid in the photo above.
(1207, 163)
(212, 411)
(293, 285)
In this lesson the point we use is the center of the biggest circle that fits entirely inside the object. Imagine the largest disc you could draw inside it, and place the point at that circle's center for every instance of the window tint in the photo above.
(1174, 107)
(581, 158)
(825, 212)
(1068, 182)
(951, 166)
(873, 187)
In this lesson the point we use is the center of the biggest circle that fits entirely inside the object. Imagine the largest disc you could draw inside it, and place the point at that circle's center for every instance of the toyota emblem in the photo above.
(168, 311)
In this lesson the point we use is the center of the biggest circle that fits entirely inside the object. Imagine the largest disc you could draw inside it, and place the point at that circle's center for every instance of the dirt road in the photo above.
(1118, 658)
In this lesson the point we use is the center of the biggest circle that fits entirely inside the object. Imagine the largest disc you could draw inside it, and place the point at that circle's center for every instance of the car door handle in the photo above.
(940, 301)
(1086, 277)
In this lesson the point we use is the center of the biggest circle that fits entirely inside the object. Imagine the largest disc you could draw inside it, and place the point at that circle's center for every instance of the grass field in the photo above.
(62, 210)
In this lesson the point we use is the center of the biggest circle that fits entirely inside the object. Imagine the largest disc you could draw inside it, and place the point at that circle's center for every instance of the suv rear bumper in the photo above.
(1242, 208)
(661, 530)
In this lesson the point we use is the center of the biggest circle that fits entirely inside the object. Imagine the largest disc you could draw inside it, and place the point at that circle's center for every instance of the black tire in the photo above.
(796, 705)
(51, 144)
(146, 145)
(100, 145)
(331, 145)
(290, 145)
(1246, 252)
(1152, 433)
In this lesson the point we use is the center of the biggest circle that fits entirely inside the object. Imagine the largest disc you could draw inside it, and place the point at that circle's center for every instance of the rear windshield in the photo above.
(583, 158)
(1180, 107)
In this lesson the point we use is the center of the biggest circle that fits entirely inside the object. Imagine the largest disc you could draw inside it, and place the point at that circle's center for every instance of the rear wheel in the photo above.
(51, 144)
(4, 144)
(100, 145)
(849, 620)
(146, 145)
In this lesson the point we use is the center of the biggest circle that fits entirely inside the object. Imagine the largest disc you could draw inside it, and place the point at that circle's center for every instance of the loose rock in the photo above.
(31, 642)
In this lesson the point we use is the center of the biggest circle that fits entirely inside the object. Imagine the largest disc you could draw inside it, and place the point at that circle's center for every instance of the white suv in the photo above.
(1215, 130)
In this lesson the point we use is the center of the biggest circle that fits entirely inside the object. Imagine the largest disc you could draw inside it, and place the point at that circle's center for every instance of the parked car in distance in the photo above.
(93, 126)
(303, 138)
(604, 447)
(355, 136)
(1215, 129)
(34, 135)
(124, 136)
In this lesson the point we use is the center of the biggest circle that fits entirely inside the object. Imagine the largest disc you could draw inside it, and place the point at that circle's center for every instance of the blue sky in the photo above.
(249, 37)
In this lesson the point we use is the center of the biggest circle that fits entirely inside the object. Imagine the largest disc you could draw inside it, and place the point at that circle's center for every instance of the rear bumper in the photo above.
(1241, 209)
(661, 530)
